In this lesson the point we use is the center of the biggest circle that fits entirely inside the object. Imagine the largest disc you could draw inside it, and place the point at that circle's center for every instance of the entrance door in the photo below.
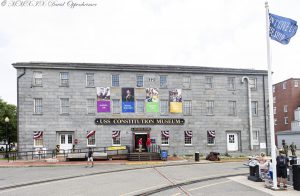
(232, 142)
(144, 137)
(66, 142)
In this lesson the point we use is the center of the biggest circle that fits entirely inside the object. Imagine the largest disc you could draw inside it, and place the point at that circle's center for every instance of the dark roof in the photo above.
(137, 68)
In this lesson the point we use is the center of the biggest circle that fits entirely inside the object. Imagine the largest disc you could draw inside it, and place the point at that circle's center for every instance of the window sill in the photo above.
(116, 145)
(89, 86)
(37, 114)
(188, 145)
(166, 145)
(91, 145)
(210, 145)
(209, 114)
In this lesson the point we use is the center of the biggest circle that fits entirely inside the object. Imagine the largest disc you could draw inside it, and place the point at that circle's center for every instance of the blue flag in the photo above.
(282, 29)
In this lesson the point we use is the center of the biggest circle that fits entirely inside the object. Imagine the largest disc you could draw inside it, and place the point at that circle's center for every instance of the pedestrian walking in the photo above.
(282, 165)
(148, 144)
(140, 144)
(90, 157)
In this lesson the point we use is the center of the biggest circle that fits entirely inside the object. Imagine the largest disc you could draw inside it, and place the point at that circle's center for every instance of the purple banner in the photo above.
(103, 106)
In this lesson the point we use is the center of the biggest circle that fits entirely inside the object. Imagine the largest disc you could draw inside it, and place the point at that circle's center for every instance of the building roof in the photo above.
(137, 68)
(286, 81)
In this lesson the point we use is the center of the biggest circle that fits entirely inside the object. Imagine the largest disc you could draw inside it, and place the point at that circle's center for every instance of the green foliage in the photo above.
(10, 111)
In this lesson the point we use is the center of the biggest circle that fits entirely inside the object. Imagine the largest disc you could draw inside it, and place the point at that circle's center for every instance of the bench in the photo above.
(82, 155)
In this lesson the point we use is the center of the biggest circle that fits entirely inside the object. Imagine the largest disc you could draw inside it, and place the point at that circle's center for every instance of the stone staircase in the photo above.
(144, 156)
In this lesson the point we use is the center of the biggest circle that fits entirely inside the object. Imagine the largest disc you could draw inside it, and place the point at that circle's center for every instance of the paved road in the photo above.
(131, 182)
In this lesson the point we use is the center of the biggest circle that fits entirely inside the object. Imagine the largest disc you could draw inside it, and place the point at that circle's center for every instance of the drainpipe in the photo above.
(249, 109)
(18, 121)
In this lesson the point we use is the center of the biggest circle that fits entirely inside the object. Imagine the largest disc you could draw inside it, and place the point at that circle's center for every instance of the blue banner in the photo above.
(282, 29)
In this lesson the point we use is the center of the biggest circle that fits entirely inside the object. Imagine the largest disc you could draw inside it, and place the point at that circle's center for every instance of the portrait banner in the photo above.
(128, 100)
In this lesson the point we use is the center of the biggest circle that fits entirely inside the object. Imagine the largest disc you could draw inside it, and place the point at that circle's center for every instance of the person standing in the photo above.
(293, 149)
(90, 157)
(148, 144)
(281, 167)
(140, 144)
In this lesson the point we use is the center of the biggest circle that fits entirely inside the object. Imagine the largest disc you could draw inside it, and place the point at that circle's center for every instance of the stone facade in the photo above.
(78, 122)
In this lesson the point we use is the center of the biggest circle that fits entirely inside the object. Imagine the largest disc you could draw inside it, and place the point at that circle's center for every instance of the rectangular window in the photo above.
(253, 83)
(64, 78)
(139, 81)
(296, 83)
(187, 107)
(231, 83)
(64, 106)
(211, 135)
(165, 138)
(254, 105)
(285, 108)
(208, 82)
(164, 106)
(188, 135)
(286, 120)
(140, 105)
(115, 80)
(116, 106)
(274, 110)
(163, 81)
(38, 140)
(91, 141)
(255, 137)
(38, 106)
(90, 106)
(274, 99)
(37, 78)
(90, 80)
(232, 108)
(116, 139)
(209, 107)
(284, 85)
(186, 83)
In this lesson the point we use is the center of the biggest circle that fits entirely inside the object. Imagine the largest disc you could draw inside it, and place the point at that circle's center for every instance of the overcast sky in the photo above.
(211, 33)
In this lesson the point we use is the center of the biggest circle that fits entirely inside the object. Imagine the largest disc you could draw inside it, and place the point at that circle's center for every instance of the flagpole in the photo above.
(270, 93)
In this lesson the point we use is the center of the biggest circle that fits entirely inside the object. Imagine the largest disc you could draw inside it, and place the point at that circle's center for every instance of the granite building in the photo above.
(183, 109)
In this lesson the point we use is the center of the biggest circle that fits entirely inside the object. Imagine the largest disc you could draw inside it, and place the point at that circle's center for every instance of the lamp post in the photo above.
(6, 136)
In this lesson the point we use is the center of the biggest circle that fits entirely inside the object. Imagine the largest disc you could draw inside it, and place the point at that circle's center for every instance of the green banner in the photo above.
(152, 104)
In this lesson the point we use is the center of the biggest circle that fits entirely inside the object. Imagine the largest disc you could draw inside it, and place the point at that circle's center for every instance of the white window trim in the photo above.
(87, 106)
(34, 143)
(86, 80)
(286, 120)
(89, 145)
(61, 107)
(284, 85)
(285, 108)
(34, 106)
(296, 83)
(111, 80)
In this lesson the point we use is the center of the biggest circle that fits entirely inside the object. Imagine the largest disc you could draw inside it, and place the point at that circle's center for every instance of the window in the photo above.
(254, 105)
(253, 83)
(232, 108)
(116, 140)
(115, 80)
(64, 78)
(91, 138)
(208, 82)
(64, 106)
(274, 110)
(140, 105)
(38, 140)
(284, 85)
(286, 120)
(163, 81)
(164, 106)
(255, 137)
(37, 78)
(139, 81)
(38, 106)
(90, 106)
(116, 106)
(187, 107)
(90, 80)
(274, 89)
(186, 83)
(209, 107)
(285, 108)
(165, 138)
(296, 84)
(211, 135)
(188, 137)
(274, 99)
(231, 83)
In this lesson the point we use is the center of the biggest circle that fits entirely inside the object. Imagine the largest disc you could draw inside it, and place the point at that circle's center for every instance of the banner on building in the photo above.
(128, 100)
(175, 99)
(152, 104)
(103, 99)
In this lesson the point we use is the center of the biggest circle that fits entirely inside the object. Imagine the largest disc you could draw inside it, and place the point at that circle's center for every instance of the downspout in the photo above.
(18, 122)
(265, 118)
(249, 110)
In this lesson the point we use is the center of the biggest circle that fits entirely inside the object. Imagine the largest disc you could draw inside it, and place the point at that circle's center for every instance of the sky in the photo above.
(209, 33)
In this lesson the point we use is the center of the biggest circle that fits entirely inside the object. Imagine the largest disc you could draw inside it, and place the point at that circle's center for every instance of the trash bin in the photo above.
(197, 156)
(296, 177)
(293, 160)
(254, 172)
(164, 155)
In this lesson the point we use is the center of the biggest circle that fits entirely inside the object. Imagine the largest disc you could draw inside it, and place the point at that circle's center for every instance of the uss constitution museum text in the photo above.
(183, 109)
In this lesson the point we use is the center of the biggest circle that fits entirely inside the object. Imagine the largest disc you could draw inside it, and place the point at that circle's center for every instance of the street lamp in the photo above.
(6, 137)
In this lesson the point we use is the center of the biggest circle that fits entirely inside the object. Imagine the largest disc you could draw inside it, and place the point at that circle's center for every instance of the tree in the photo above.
(10, 111)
